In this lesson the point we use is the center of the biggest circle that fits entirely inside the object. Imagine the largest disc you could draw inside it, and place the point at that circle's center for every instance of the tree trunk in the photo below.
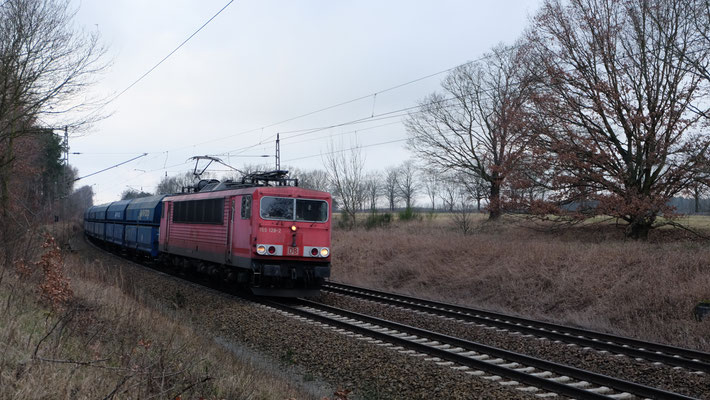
(5, 162)
(494, 202)
(696, 195)
(639, 228)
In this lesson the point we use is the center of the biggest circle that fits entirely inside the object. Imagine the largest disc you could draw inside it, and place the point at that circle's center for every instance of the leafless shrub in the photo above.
(462, 216)
(55, 287)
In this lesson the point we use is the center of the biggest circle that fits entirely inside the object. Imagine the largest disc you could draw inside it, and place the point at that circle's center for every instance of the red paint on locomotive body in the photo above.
(227, 228)
(279, 231)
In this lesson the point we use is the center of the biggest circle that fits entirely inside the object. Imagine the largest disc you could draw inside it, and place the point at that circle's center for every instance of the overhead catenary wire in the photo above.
(265, 140)
(402, 112)
(373, 117)
(348, 149)
(369, 119)
(340, 104)
(114, 98)
(111, 167)
(386, 115)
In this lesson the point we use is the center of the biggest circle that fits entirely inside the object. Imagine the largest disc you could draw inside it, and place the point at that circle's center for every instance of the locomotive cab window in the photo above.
(277, 208)
(288, 209)
(311, 210)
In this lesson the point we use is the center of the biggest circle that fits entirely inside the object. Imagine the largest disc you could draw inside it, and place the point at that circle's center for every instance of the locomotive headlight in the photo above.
(261, 249)
(293, 228)
(324, 252)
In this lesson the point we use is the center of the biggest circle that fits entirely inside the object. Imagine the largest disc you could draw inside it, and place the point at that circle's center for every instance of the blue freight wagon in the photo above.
(116, 215)
(143, 217)
(132, 224)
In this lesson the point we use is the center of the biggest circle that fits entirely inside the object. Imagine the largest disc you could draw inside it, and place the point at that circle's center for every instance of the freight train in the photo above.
(263, 232)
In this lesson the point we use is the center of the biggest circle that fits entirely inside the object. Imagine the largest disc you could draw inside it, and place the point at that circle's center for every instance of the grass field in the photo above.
(587, 275)
(107, 342)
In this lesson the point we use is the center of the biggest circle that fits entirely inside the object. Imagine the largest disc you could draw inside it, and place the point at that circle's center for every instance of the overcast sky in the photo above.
(262, 62)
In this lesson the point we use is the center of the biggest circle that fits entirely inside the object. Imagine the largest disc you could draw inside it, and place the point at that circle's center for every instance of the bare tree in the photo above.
(315, 179)
(431, 181)
(617, 126)
(692, 17)
(346, 171)
(131, 193)
(407, 184)
(45, 66)
(449, 191)
(373, 189)
(175, 184)
(168, 185)
(474, 186)
(79, 201)
(698, 189)
(389, 187)
(481, 127)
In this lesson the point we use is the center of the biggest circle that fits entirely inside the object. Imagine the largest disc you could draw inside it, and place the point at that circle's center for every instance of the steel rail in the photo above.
(563, 370)
(522, 377)
(538, 382)
(675, 356)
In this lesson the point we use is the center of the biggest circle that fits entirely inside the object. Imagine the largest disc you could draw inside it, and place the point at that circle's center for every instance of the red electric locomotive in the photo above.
(264, 232)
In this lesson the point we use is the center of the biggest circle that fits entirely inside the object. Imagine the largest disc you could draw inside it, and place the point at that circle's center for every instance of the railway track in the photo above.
(512, 370)
(695, 361)
(524, 373)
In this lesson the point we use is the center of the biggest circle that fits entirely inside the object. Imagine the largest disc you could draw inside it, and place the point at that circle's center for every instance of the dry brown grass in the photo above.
(587, 276)
(108, 343)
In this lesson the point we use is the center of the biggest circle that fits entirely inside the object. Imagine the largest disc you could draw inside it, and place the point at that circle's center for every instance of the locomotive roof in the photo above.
(290, 191)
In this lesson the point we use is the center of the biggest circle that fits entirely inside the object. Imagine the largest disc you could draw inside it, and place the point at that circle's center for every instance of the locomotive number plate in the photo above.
(292, 251)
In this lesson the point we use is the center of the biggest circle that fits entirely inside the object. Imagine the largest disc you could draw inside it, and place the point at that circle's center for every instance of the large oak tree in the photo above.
(615, 106)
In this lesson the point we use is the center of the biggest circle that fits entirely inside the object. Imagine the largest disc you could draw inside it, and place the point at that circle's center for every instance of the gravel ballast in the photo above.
(644, 372)
(367, 370)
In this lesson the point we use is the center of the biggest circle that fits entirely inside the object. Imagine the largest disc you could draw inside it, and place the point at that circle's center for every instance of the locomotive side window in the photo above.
(311, 210)
(210, 211)
(277, 208)
(246, 207)
(294, 209)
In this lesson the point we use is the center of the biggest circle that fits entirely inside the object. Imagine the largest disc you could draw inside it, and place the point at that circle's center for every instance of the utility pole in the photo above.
(66, 146)
(278, 153)
(65, 184)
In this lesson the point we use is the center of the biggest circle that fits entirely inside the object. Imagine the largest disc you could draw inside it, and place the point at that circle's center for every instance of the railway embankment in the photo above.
(143, 333)
(319, 360)
(108, 337)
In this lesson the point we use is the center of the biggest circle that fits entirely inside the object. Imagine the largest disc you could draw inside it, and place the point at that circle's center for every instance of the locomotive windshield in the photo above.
(294, 209)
